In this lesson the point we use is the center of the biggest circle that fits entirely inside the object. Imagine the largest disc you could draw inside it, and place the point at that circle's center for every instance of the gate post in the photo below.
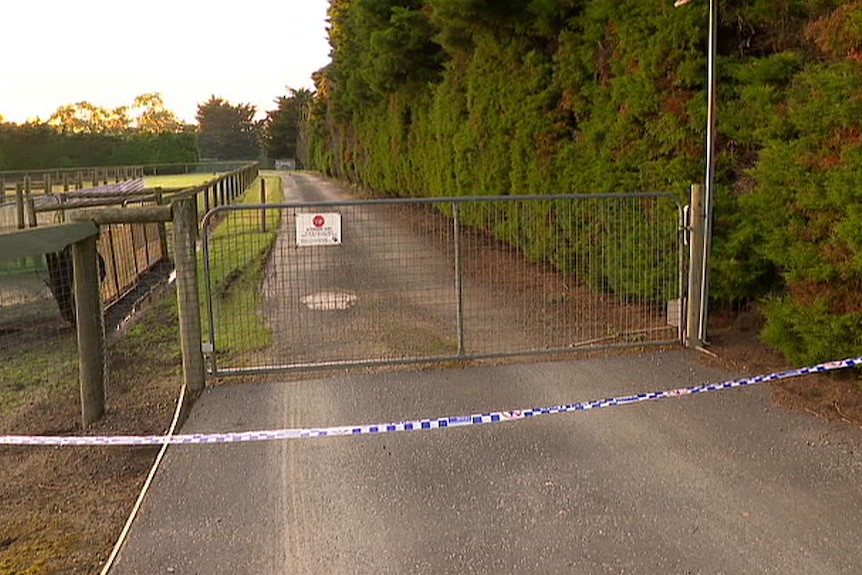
(90, 328)
(185, 226)
(459, 287)
(696, 263)
(19, 205)
(263, 202)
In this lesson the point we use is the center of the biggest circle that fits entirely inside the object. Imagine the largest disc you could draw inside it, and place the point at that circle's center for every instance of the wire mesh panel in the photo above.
(569, 273)
(37, 341)
(387, 281)
(336, 283)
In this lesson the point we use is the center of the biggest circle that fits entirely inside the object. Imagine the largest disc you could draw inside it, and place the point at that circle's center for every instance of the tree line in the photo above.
(504, 97)
(147, 132)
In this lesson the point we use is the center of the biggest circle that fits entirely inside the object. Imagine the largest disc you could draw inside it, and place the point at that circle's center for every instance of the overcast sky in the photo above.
(56, 52)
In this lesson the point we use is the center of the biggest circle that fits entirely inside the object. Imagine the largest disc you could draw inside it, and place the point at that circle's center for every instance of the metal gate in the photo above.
(380, 282)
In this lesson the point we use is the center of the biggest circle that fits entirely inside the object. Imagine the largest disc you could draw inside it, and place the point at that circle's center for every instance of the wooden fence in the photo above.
(127, 250)
(132, 235)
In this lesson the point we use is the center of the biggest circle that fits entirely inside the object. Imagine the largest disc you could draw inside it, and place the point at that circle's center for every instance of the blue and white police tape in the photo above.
(415, 425)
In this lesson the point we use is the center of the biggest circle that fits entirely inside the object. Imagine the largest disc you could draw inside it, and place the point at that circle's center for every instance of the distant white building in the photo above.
(285, 164)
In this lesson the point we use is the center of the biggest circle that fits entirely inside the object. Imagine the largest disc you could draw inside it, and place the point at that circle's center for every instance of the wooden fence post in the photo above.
(697, 219)
(91, 334)
(207, 203)
(19, 204)
(163, 233)
(32, 219)
(188, 300)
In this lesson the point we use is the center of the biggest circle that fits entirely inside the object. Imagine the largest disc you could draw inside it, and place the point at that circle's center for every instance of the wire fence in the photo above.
(396, 281)
(38, 345)
(22, 187)
(377, 282)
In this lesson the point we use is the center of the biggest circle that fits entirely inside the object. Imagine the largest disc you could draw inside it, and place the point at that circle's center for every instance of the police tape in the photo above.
(414, 425)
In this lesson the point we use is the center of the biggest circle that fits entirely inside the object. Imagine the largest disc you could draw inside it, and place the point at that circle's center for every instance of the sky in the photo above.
(106, 52)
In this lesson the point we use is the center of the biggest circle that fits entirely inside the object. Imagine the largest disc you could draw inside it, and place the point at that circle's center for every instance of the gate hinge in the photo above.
(686, 224)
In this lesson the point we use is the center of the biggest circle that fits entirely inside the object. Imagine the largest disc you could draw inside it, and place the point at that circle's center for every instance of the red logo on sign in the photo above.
(318, 221)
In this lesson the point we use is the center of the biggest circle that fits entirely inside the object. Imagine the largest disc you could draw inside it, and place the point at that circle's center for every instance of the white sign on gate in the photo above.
(318, 229)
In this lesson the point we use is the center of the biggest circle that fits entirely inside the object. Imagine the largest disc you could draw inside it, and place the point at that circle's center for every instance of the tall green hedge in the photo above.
(37, 146)
(554, 96)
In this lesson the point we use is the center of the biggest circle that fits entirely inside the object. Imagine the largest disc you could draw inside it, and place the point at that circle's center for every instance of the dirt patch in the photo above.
(734, 339)
(62, 508)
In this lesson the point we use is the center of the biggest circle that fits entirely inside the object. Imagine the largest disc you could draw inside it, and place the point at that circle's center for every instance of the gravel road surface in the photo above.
(718, 483)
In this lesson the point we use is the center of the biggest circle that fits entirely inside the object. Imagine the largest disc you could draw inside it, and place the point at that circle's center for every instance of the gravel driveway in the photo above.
(707, 484)
(720, 483)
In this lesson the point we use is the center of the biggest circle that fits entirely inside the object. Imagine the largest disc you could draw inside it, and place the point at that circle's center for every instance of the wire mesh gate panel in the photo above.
(373, 282)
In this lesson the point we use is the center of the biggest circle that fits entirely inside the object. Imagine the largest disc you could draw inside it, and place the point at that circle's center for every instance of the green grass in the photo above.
(21, 266)
(238, 252)
(179, 181)
(153, 337)
(43, 365)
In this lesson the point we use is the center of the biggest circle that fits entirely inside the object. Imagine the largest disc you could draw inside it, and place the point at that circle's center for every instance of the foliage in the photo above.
(379, 46)
(84, 117)
(151, 116)
(227, 131)
(550, 96)
(806, 208)
(35, 146)
(809, 333)
(281, 131)
(84, 134)
(147, 114)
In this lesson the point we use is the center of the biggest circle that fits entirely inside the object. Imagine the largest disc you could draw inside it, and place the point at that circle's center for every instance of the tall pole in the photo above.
(709, 188)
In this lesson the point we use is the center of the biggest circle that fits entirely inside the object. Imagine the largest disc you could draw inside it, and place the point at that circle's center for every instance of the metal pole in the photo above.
(210, 308)
(459, 288)
(263, 202)
(709, 192)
